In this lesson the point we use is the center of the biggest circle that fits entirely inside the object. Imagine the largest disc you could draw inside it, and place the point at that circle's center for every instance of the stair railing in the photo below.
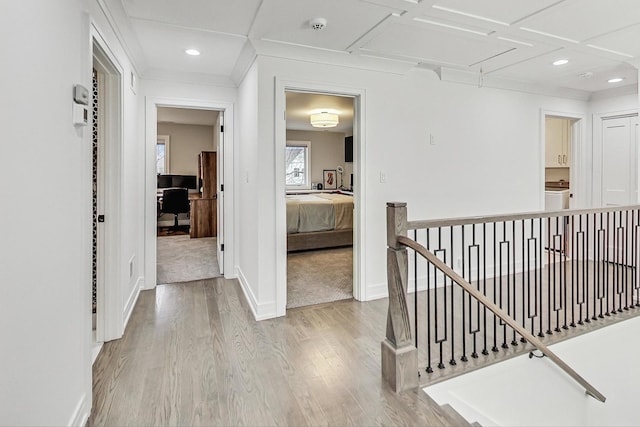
(562, 236)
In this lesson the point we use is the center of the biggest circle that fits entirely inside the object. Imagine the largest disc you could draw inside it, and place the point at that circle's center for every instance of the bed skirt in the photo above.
(319, 240)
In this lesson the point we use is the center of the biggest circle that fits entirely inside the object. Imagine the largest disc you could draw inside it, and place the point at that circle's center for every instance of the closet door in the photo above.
(619, 161)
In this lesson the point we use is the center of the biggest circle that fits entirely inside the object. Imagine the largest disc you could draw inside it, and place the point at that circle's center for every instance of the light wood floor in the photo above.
(193, 355)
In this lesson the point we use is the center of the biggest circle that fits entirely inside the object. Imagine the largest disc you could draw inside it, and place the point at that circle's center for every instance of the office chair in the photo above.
(175, 201)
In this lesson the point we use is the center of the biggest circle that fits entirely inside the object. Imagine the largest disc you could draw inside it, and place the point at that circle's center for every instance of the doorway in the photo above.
(187, 214)
(563, 185)
(106, 205)
(358, 102)
(319, 196)
(221, 191)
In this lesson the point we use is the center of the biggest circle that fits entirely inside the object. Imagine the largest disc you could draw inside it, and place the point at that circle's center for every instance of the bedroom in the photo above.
(319, 191)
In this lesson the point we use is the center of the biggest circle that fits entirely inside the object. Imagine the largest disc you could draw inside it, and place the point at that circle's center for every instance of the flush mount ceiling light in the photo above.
(192, 52)
(324, 120)
(561, 62)
(616, 80)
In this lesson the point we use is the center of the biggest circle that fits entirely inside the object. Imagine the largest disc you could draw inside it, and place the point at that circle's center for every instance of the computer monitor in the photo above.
(185, 181)
(178, 181)
(164, 181)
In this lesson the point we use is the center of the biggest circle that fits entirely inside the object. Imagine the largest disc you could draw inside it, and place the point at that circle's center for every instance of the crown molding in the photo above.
(470, 78)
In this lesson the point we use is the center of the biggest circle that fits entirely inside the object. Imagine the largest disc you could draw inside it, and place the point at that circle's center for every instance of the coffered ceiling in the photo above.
(515, 40)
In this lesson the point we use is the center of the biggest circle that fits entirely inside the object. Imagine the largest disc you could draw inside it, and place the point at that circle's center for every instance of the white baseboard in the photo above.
(131, 301)
(377, 291)
(81, 413)
(261, 311)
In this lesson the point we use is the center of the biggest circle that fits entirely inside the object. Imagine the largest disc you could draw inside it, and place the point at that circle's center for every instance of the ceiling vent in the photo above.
(318, 23)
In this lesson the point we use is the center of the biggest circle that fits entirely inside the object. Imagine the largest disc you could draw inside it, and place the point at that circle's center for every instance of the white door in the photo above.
(619, 175)
(619, 165)
(220, 191)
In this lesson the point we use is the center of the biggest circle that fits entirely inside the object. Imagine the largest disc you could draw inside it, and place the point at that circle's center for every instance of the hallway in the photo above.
(193, 355)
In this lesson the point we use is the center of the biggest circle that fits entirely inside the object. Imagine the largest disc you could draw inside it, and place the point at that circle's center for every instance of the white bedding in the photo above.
(319, 212)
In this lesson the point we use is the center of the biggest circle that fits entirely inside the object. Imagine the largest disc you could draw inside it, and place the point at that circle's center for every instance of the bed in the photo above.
(319, 220)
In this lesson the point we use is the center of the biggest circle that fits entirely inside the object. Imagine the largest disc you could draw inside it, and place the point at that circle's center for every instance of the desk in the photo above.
(202, 214)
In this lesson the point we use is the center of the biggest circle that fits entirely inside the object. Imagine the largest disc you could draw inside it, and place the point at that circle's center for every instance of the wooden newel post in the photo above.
(399, 355)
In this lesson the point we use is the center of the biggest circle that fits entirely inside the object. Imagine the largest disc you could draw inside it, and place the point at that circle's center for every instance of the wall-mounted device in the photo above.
(80, 103)
(80, 115)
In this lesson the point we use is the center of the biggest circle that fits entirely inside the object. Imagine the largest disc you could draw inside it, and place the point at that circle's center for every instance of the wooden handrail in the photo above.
(590, 390)
(449, 222)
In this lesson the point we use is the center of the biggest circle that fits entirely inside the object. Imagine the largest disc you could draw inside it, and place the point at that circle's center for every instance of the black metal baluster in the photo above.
(464, 311)
(484, 284)
(574, 260)
(525, 270)
(504, 325)
(606, 268)
(563, 271)
(584, 257)
(627, 249)
(475, 330)
(442, 340)
(541, 281)
(453, 326)
(495, 269)
(551, 253)
(428, 273)
(513, 296)
(415, 289)
(535, 241)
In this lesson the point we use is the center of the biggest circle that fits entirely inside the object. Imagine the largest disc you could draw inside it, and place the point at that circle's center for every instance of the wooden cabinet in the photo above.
(203, 213)
(557, 143)
(207, 169)
(203, 218)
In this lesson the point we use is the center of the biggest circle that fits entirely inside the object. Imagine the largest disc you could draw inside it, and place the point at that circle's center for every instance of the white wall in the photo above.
(250, 165)
(45, 279)
(486, 157)
(45, 315)
(327, 151)
(186, 143)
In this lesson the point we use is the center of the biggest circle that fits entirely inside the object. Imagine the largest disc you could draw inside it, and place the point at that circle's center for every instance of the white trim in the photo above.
(597, 120)
(166, 141)
(377, 291)
(81, 412)
(360, 291)
(151, 119)
(261, 311)
(109, 320)
(131, 301)
(579, 182)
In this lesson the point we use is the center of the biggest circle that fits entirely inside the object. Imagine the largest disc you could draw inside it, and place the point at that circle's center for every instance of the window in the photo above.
(297, 164)
(162, 155)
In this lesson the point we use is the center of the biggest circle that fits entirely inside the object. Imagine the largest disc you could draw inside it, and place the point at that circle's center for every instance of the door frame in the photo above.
(359, 220)
(151, 132)
(109, 310)
(598, 118)
(579, 184)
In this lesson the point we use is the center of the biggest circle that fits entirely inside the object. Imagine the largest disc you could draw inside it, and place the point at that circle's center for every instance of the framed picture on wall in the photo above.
(329, 180)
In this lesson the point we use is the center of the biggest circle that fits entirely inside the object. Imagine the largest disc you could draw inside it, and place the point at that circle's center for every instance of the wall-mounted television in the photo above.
(348, 149)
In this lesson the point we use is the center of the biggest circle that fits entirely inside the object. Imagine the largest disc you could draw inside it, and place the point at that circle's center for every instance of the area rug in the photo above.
(182, 259)
(314, 277)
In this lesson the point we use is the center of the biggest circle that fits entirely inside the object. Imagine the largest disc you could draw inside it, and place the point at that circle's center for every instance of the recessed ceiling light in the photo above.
(616, 80)
(561, 62)
(192, 52)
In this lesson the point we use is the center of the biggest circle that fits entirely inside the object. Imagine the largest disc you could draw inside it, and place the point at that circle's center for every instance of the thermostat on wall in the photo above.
(80, 95)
